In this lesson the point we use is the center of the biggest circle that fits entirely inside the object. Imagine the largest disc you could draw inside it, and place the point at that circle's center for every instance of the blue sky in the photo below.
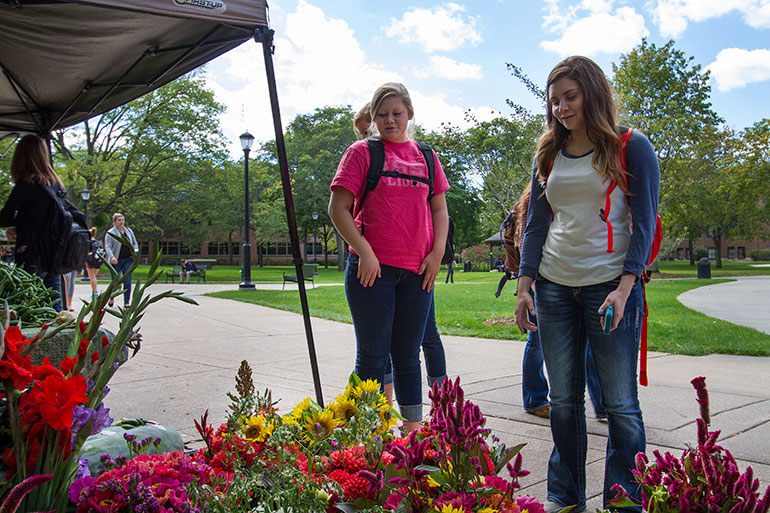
(452, 56)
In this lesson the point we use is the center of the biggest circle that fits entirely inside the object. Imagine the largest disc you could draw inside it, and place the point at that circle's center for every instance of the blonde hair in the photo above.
(393, 89)
(92, 232)
(364, 115)
(115, 216)
(31, 162)
(600, 116)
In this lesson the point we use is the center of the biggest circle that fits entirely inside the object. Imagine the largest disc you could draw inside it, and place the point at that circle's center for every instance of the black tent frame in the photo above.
(45, 122)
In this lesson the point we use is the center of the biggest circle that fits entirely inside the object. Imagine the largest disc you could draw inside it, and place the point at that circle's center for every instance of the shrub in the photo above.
(700, 252)
(760, 255)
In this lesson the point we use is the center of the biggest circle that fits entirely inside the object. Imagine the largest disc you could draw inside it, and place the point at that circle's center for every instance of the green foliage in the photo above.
(30, 303)
(760, 255)
(140, 158)
(699, 252)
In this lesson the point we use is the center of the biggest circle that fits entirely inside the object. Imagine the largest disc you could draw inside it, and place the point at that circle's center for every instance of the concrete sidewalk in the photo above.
(190, 355)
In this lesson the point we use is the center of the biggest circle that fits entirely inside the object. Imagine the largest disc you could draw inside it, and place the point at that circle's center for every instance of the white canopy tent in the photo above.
(63, 62)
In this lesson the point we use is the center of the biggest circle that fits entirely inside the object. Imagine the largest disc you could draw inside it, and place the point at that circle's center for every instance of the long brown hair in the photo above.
(31, 162)
(600, 116)
(522, 210)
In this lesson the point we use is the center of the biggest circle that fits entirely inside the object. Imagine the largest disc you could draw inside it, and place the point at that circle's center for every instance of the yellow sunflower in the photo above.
(387, 419)
(370, 386)
(344, 409)
(256, 428)
(320, 424)
(448, 508)
(488, 510)
(299, 411)
(346, 394)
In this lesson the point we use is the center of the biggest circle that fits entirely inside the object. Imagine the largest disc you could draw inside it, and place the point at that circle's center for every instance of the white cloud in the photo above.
(673, 16)
(442, 28)
(599, 32)
(450, 69)
(736, 67)
(432, 111)
(318, 62)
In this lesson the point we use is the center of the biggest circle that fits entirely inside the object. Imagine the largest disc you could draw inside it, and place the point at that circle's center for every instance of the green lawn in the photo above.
(729, 268)
(273, 274)
(462, 308)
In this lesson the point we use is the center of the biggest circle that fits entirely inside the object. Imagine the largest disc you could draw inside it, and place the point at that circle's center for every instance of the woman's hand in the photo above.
(113, 260)
(525, 304)
(368, 269)
(617, 298)
(429, 268)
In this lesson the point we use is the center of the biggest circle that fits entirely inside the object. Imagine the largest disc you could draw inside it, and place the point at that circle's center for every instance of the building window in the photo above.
(169, 247)
(319, 249)
(731, 253)
(741, 253)
(686, 253)
(680, 254)
(144, 248)
(712, 253)
(221, 248)
(276, 248)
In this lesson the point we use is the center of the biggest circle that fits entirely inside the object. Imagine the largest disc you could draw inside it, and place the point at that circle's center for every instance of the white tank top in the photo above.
(575, 251)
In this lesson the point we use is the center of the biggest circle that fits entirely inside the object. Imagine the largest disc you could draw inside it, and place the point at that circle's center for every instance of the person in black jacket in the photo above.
(29, 205)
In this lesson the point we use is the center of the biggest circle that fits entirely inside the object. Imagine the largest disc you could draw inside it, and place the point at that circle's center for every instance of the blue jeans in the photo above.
(432, 349)
(534, 386)
(389, 320)
(123, 266)
(567, 318)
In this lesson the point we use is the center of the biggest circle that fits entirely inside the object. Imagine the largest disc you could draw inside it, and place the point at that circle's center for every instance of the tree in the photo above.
(138, 158)
(666, 95)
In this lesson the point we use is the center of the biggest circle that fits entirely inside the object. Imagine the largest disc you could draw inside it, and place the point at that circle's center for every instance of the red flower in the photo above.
(82, 348)
(44, 370)
(54, 398)
(18, 369)
(82, 326)
(68, 364)
(105, 341)
(94, 357)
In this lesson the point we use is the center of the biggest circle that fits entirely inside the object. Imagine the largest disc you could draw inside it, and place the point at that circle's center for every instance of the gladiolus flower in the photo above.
(94, 357)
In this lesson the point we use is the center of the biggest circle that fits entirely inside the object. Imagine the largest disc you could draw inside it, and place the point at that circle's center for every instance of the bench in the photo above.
(173, 273)
(308, 272)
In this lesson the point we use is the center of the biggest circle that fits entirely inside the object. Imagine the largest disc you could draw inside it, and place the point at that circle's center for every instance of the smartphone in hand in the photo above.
(608, 320)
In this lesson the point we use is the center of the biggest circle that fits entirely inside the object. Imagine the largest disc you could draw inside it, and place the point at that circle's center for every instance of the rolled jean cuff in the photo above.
(387, 379)
(439, 380)
(411, 412)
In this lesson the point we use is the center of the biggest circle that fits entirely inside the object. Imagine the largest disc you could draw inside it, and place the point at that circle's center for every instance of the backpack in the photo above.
(625, 136)
(95, 251)
(376, 165)
(65, 240)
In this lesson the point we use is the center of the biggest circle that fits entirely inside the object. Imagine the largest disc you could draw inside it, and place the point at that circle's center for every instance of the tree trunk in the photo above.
(230, 247)
(691, 246)
(341, 251)
(717, 239)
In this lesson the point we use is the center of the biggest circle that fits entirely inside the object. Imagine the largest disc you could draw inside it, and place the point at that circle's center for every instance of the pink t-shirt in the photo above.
(397, 216)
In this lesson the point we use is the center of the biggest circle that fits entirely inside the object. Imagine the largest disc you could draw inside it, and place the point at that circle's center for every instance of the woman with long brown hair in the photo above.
(29, 205)
(583, 259)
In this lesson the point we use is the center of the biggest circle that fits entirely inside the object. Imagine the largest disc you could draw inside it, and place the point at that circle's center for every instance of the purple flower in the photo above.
(80, 417)
(82, 470)
(81, 488)
(101, 419)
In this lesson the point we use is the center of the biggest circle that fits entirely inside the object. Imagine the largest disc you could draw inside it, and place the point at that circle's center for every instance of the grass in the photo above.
(729, 268)
(274, 274)
(462, 308)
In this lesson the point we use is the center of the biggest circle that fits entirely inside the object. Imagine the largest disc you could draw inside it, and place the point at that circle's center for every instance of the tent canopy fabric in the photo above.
(64, 62)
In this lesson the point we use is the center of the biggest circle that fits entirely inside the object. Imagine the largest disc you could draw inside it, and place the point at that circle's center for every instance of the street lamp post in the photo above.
(315, 235)
(246, 141)
(85, 195)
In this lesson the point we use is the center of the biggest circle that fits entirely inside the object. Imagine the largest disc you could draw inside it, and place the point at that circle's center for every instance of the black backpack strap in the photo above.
(376, 163)
(427, 153)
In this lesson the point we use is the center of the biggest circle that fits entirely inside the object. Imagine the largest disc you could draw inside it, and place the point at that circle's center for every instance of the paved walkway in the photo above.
(190, 355)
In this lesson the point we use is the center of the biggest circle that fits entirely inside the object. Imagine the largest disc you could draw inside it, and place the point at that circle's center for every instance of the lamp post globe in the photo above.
(246, 141)
(85, 195)
(315, 235)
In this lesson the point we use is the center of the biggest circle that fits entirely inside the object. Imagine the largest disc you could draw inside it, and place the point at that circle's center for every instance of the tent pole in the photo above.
(264, 35)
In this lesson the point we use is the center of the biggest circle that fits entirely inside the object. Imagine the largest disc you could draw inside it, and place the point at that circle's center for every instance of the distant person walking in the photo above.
(120, 255)
(93, 263)
(450, 271)
(30, 206)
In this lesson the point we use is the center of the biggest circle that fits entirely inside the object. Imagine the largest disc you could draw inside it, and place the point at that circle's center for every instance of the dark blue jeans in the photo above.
(567, 318)
(389, 320)
(432, 349)
(123, 266)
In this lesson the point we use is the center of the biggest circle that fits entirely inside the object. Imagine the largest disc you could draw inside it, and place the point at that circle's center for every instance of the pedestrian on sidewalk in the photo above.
(582, 263)
(397, 241)
(119, 255)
